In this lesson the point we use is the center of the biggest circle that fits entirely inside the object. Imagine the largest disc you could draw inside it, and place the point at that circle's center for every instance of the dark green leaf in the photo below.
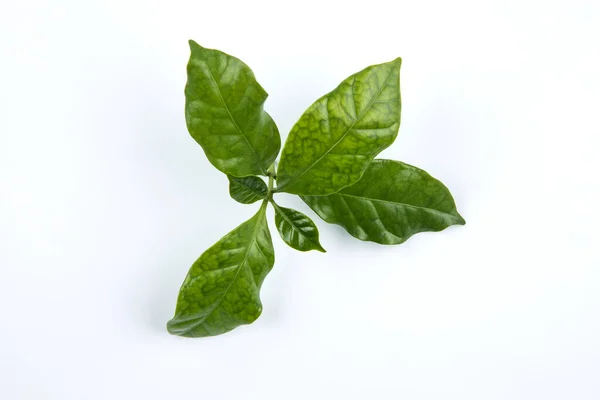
(247, 190)
(334, 141)
(390, 203)
(296, 229)
(221, 290)
(225, 115)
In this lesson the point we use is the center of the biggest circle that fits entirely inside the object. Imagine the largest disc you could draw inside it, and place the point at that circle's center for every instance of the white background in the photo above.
(106, 201)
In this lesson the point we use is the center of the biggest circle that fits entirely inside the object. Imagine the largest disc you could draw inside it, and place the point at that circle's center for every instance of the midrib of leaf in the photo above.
(231, 116)
(241, 265)
(254, 190)
(398, 204)
(292, 224)
(345, 133)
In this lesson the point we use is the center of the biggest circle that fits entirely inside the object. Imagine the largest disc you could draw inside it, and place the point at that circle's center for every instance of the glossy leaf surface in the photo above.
(247, 190)
(389, 204)
(296, 229)
(224, 113)
(221, 290)
(336, 138)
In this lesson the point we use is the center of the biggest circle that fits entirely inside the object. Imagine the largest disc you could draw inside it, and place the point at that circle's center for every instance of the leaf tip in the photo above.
(319, 248)
(193, 44)
(175, 328)
(171, 329)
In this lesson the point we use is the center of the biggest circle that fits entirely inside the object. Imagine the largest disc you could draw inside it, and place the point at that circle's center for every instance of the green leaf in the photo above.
(296, 229)
(221, 290)
(336, 138)
(224, 113)
(247, 190)
(389, 204)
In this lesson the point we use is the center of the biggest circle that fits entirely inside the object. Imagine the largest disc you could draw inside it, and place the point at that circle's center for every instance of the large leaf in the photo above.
(336, 138)
(296, 229)
(221, 290)
(224, 113)
(247, 190)
(389, 204)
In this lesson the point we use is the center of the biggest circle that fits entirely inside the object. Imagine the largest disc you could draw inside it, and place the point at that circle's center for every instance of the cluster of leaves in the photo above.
(328, 160)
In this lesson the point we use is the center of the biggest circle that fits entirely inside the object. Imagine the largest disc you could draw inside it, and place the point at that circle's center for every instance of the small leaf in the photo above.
(336, 138)
(296, 229)
(224, 113)
(247, 190)
(221, 290)
(390, 203)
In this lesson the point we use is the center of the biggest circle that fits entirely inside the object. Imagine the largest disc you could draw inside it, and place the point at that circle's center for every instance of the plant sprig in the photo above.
(328, 160)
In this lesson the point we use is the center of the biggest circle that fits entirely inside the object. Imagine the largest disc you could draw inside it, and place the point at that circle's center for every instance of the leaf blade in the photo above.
(247, 190)
(389, 204)
(224, 113)
(296, 229)
(333, 142)
(221, 290)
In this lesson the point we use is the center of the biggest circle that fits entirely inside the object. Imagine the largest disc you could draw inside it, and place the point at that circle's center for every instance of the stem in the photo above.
(271, 175)
(270, 183)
